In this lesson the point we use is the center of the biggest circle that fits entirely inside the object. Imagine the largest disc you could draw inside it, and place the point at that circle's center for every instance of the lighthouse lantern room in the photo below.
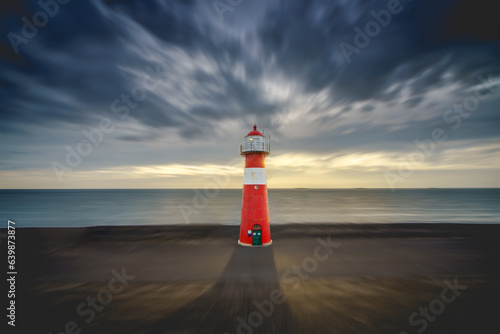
(254, 227)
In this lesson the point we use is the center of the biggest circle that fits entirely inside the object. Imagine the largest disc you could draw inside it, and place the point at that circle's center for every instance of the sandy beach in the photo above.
(315, 278)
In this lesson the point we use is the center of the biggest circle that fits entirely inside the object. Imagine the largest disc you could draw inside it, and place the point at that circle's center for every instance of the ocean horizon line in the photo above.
(273, 188)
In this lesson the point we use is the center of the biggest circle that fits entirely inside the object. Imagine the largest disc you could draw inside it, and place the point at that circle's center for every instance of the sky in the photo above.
(159, 94)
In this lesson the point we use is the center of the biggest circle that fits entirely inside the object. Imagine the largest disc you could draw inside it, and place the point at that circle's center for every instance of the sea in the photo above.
(81, 207)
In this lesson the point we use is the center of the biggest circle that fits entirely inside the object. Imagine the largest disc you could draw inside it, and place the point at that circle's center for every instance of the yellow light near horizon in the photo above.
(187, 170)
(475, 166)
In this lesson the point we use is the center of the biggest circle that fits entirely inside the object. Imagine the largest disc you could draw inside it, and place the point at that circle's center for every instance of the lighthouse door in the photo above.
(256, 235)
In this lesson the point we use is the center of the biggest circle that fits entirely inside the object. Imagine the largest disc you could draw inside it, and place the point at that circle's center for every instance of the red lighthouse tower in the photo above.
(254, 227)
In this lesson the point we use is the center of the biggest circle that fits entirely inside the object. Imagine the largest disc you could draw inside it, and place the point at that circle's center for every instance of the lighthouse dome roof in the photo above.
(255, 132)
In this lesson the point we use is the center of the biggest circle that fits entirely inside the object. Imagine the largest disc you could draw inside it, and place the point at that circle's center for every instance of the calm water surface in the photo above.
(185, 206)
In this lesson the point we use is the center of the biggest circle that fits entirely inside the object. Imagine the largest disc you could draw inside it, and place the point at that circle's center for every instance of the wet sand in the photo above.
(315, 278)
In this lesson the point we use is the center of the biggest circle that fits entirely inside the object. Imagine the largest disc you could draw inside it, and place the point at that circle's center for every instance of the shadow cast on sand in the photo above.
(239, 302)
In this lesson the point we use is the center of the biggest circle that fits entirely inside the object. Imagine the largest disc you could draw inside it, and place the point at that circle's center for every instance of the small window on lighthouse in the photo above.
(256, 187)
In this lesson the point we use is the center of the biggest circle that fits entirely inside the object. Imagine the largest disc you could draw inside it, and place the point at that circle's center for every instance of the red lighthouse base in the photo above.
(254, 227)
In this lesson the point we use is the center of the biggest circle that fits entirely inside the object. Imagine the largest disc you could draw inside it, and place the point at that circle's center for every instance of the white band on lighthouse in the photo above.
(255, 176)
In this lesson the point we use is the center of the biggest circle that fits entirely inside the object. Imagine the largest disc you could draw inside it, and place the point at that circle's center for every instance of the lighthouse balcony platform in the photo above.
(255, 147)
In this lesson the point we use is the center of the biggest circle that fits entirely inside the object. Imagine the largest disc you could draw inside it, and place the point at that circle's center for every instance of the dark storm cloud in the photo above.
(92, 52)
(72, 70)
(306, 40)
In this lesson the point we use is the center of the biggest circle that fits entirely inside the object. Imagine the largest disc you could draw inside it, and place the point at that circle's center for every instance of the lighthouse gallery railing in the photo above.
(255, 147)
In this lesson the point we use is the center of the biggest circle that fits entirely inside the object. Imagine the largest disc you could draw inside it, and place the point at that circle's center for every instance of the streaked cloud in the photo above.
(275, 63)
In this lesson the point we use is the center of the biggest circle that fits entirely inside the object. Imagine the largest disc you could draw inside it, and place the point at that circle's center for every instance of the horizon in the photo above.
(272, 188)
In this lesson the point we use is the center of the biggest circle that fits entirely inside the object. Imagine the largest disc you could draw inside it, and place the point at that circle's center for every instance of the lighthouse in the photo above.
(254, 226)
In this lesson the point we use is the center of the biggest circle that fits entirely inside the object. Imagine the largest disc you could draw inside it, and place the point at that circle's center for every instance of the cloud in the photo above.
(268, 60)
(414, 101)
